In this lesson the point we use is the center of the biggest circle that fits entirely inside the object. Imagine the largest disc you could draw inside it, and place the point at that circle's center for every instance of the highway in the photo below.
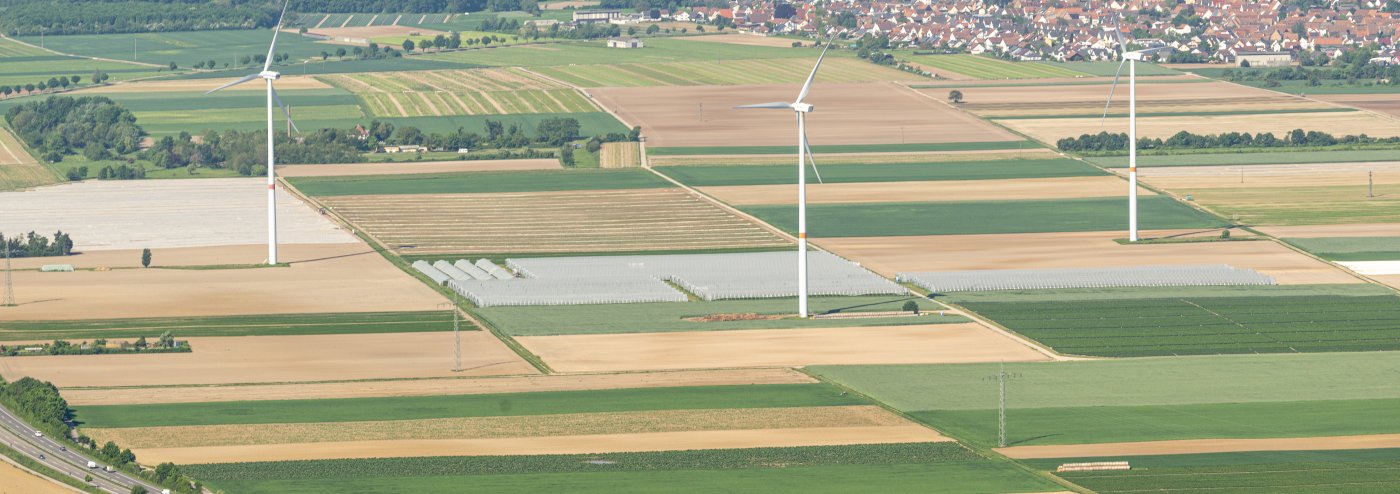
(18, 435)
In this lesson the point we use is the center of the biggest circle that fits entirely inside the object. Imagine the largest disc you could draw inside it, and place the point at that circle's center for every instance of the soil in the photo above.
(872, 113)
(1383, 103)
(1314, 231)
(938, 343)
(1338, 124)
(1198, 446)
(931, 191)
(580, 444)
(368, 32)
(857, 158)
(321, 278)
(1183, 178)
(745, 39)
(415, 167)
(281, 359)
(891, 255)
(437, 386)
(1090, 99)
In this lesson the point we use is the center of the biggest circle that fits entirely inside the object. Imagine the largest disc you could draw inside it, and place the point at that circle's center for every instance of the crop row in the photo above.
(369, 322)
(724, 459)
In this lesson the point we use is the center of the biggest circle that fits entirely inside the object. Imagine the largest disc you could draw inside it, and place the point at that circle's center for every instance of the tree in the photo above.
(173, 66)
(426, 44)
(325, 55)
(87, 478)
(64, 82)
(141, 342)
(631, 30)
(145, 258)
(75, 79)
(5, 90)
(408, 46)
(209, 63)
(653, 29)
(110, 451)
(1244, 64)
(136, 489)
(167, 339)
(340, 52)
(911, 306)
(955, 96)
(42, 86)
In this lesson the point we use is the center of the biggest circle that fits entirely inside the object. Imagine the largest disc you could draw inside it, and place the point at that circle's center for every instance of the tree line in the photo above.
(1104, 141)
(58, 17)
(165, 344)
(35, 245)
(53, 84)
(1353, 67)
(56, 125)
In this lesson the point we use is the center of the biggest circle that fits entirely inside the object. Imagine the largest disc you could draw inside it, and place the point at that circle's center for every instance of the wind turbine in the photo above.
(1130, 58)
(268, 75)
(804, 156)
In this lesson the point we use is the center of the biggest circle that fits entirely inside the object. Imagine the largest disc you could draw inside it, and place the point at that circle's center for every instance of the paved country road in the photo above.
(20, 436)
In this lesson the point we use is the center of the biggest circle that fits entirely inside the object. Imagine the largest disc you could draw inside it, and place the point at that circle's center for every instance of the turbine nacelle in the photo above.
(269, 75)
(803, 107)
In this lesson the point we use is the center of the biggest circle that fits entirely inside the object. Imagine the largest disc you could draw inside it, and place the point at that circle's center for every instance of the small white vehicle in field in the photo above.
(109, 469)
(92, 464)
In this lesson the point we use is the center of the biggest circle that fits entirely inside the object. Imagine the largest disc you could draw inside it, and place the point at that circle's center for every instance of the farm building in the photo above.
(590, 16)
(1264, 58)
(406, 148)
(625, 43)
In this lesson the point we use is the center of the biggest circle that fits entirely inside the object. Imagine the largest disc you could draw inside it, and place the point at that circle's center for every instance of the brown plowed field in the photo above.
(931, 191)
(1355, 230)
(322, 278)
(873, 113)
(415, 167)
(1336, 123)
(573, 424)
(553, 445)
(857, 158)
(279, 359)
(743, 39)
(1383, 103)
(1090, 99)
(937, 343)
(576, 221)
(1183, 179)
(441, 386)
(1199, 446)
(890, 255)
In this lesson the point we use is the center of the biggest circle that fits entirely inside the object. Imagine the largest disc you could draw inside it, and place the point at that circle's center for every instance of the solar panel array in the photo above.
(634, 279)
(1037, 279)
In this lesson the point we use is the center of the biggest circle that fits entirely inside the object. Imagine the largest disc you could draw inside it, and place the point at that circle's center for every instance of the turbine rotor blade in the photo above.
(806, 87)
(1111, 89)
(267, 64)
(777, 105)
(1118, 32)
(242, 80)
(285, 111)
(811, 159)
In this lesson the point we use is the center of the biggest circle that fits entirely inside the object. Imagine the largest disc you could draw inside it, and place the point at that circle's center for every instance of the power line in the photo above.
(1001, 377)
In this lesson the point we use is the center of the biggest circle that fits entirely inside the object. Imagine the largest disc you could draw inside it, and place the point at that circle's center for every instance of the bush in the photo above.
(911, 306)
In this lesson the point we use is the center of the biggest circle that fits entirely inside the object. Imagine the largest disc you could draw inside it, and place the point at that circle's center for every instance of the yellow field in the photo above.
(620, 155)
(19, 170)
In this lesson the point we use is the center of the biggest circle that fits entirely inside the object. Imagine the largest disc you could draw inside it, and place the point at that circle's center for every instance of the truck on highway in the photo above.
(92, 464)
(109, 469)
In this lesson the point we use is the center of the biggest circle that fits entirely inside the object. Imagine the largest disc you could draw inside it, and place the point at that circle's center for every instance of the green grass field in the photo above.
(843, 148)
(1324, 205)
(478, 405)
(874, 468)
(480, 182)
(259, 325)
(34, 69)
(185, 48)
(722, 72)
(589, 123)
(1145, 399)
(1250, 158)
(981, 67)
(1203, 325)
(169, 113)
(703, 176)
(1332, 472)
(1350, 248)
(657, 50)
(977, 217)
(335, 66)
(669, 317)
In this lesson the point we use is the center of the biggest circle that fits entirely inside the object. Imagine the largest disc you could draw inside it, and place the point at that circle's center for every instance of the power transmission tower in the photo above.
(8, 300)
(456, 330)
(1001, 377)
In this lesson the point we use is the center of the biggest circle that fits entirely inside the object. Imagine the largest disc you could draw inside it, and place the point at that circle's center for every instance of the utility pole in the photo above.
(8, 299)
(702, 112)
(1371, 184)
(1001, 377)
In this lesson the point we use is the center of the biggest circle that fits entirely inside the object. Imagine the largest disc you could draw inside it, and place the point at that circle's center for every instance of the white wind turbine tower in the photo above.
(1131, 58)
(268, 75)
(804, 155)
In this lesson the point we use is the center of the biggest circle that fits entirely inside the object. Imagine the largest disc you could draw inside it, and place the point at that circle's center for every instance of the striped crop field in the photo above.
(981, 67)
(722, 72)
(10, 48)
(460, 92)
(542, 222)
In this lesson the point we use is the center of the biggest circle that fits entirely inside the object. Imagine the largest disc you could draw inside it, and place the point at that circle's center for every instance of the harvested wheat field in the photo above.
(1316, 231)
(460, 92)
(438, 386)
(1020, 101)
(577, 221)
(367, 32)
(891, 255)
(285, 83)
(552, 445)
(620, 155)
(416, 167)
(1381, 103)
(1185, 178)
(931, 191)
(1200, 446)
(875, 113)
(136, 214)
(515, 426)
(858, 158)
(742, 39)
(19, 170)
(320, 279)
(278, 359)
(16, 480)
(940, 343)
(1336, 123)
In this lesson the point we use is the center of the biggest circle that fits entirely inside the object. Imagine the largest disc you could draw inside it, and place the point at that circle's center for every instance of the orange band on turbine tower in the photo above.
(271, 186)
(1132, 170)
(802, 235)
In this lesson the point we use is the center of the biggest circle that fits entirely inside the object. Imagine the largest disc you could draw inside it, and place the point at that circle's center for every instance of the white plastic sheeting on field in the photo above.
(1033, 279)
(631, 279)
(474, 272)
(492, 269)
(451, 271)
(431, 272)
